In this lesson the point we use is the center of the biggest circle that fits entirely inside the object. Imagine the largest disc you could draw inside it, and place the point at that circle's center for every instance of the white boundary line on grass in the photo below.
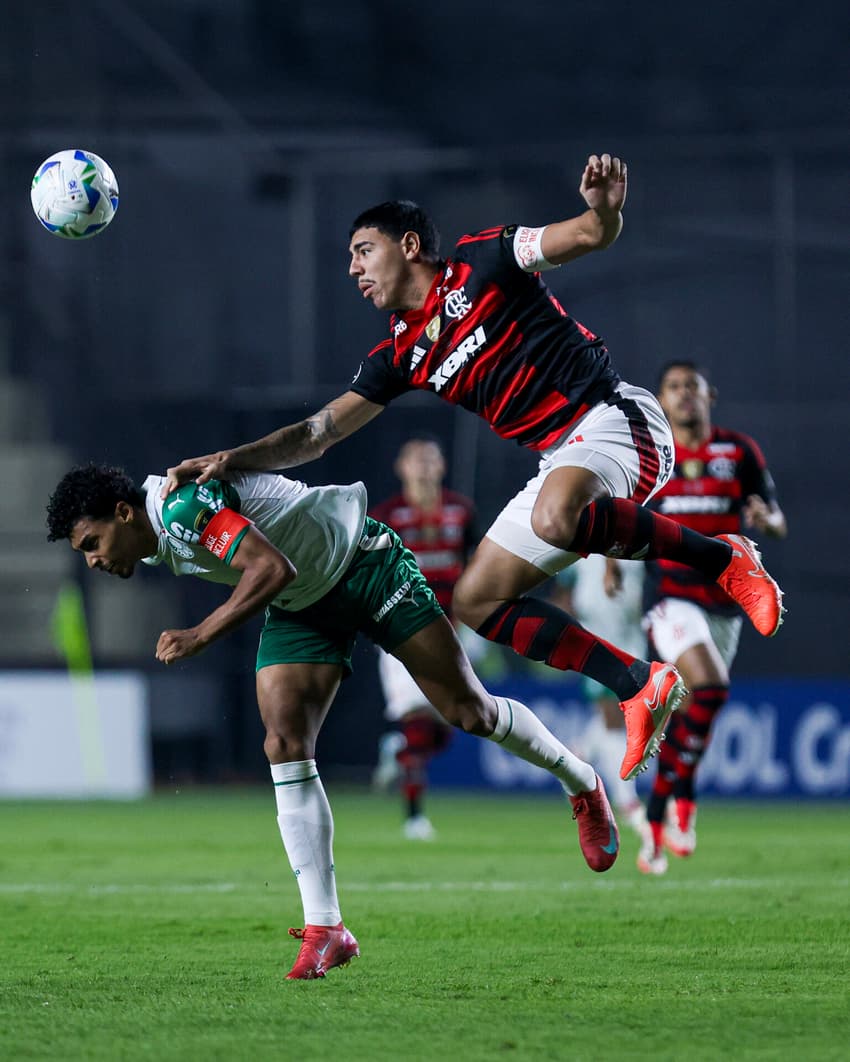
(668, 884)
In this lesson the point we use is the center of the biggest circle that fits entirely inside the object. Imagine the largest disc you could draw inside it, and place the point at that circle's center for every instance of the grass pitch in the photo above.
(157, 930)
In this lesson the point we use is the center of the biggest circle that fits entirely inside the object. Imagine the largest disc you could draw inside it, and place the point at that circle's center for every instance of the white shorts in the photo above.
(626, 441)
(677, 626)
(401, 694)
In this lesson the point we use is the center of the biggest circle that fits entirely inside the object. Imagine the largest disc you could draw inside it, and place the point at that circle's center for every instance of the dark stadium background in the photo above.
(246, 135)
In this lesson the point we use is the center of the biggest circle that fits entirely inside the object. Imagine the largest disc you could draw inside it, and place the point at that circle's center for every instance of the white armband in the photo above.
(528, 252)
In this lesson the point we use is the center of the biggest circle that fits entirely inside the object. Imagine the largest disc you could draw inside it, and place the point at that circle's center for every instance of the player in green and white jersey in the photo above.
(323, 571)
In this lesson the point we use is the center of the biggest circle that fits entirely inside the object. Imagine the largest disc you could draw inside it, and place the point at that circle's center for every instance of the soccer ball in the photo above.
(74, 194)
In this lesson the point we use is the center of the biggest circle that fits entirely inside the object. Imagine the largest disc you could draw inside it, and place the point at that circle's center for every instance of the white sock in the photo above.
(610, 747)
(307, 828)
(520, 731)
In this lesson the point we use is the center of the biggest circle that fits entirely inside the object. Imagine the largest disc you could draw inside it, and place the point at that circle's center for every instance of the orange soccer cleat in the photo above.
(647, 714)
(747, 582)
(322, 948)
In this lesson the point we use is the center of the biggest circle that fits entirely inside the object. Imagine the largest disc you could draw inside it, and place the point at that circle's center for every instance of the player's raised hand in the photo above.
(603, 183)
(200, 469)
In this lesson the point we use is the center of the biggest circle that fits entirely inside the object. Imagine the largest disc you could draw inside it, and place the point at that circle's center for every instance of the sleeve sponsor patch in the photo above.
(223, 532)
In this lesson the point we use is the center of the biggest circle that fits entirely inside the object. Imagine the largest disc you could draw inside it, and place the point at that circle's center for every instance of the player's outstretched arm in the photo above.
(603, 188)
(265, 572)
(292, 445)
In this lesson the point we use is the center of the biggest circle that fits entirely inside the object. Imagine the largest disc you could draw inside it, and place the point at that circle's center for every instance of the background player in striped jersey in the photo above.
(720, 483)
(437, 526)
(323, 571)
(481, 330)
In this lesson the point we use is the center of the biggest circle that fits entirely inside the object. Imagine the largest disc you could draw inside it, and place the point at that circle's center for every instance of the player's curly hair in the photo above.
(398, 216)
(88, 491)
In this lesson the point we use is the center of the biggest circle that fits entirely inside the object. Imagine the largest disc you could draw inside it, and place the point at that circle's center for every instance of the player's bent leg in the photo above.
(683, 632)
(294, 700)
(437, 662)
(493, 587)
(564, 495)
(493, 576)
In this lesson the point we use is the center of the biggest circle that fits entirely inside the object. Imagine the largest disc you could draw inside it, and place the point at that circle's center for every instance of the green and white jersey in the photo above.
(200, 528)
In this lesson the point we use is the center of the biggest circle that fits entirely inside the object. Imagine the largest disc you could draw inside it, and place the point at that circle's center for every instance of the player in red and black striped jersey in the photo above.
(720, 484)
(493, 339)
(481, 330)
(437, 526)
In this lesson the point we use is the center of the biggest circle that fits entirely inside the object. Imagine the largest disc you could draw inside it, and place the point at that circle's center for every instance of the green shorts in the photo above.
(381, 594)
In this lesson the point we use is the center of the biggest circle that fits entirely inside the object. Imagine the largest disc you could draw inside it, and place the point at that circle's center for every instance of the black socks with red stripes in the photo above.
(680, 755)
(540, 631)
(620, 528)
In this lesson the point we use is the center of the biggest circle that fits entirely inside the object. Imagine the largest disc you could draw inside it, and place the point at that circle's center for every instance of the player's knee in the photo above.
(469, 605)
(556, 525)
(283, 747)
(474, 715)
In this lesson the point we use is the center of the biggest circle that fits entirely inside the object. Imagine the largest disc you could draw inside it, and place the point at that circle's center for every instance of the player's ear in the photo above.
(411, 244)
(123, 512)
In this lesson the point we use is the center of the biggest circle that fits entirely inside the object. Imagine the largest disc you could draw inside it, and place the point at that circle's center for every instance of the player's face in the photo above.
(685, 397)
(421, 462)
(381, 269)
(109, 545)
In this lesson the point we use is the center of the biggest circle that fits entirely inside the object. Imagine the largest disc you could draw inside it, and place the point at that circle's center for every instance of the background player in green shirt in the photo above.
(323, 571)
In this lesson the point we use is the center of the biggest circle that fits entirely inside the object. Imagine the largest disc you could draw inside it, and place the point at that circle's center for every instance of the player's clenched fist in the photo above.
(177, 645)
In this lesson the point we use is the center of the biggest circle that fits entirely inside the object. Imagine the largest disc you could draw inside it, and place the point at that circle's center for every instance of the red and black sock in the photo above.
(680, 755)
(667, 772)
(620, 528)
(424, 738)
(540, 631)
(705, 703)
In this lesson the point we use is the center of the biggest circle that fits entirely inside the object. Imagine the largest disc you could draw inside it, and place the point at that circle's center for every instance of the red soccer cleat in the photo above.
(680, 831)
(747, 582)
(597, 829)
(322, 948)
(651, 858)
(646, 716)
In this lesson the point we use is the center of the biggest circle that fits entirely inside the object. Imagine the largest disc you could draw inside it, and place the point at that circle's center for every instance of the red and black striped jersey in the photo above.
(440, 539)
(495, 340)
(706, 493)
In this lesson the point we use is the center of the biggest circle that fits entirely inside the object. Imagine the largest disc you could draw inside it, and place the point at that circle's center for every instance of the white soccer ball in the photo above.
(74, 194)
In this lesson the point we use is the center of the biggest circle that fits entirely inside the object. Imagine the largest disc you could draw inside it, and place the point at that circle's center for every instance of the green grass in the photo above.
(157, 930)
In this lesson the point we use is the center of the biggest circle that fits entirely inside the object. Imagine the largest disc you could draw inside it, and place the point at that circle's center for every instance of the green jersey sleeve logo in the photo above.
(187, 510)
